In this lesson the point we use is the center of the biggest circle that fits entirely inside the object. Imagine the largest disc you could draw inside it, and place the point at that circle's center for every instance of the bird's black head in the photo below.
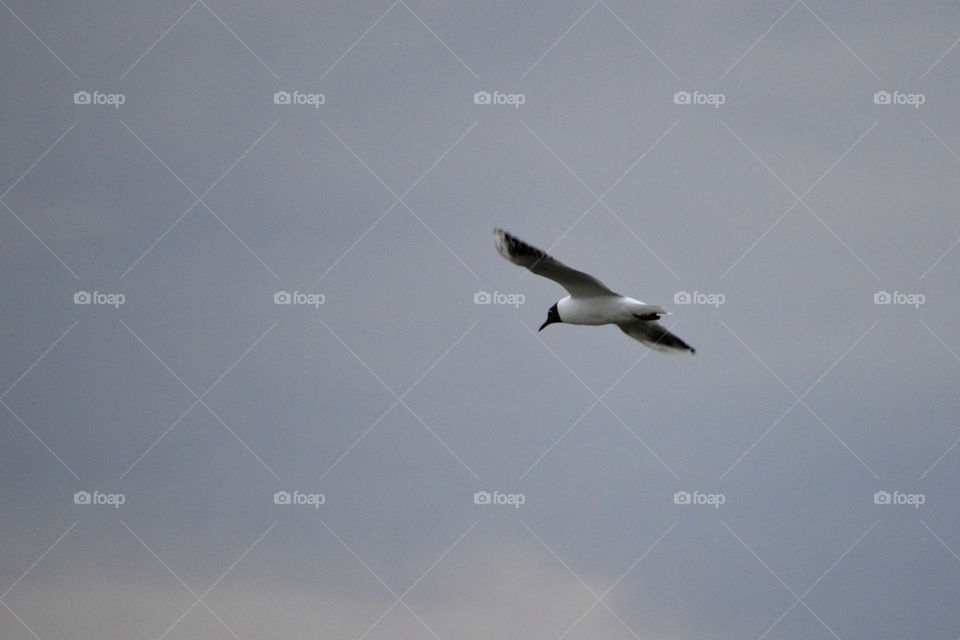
(552, 316)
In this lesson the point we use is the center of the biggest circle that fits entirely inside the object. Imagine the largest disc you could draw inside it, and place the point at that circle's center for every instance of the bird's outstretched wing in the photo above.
(577, 283)
(656, 336)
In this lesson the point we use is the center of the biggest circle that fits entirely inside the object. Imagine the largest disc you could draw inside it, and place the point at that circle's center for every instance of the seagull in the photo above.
(590, 302)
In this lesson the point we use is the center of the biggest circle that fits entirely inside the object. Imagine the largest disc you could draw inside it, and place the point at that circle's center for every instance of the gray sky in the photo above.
(798, 205)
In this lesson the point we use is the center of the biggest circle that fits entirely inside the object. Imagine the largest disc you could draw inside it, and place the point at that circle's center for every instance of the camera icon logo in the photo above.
(81, 497)
(281, 297)
(681, 497)
(881, 97)
(481, 97)
(281, 497)
(481, 497)
(281, 97)
(882, 297)
(681, 97)
(482, 297)
(682, 297)
(81, 97)
(81, 297)
(881, 497)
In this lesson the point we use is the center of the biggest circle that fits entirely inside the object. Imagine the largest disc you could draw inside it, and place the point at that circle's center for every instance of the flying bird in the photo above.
(590, 302)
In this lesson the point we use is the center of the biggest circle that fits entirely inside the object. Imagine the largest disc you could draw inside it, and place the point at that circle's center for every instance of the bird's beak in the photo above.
(543, 325)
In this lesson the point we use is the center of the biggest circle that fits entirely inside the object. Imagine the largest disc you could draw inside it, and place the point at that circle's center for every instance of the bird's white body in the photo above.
(605, 310)
(590, 301)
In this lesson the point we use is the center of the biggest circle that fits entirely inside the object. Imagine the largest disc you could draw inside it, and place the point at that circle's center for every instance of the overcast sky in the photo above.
(781, 176)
